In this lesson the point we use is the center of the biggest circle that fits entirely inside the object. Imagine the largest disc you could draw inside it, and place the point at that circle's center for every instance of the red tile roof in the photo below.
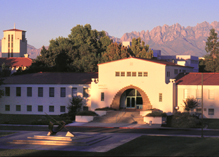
(51, 78)
(151, 60)
(14, 30)
(16, 61)
(195, 79)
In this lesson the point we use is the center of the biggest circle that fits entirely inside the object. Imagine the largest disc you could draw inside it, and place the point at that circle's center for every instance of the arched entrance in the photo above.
(134, 97)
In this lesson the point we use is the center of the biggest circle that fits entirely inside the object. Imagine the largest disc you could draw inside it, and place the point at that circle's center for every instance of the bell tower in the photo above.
(14, 43)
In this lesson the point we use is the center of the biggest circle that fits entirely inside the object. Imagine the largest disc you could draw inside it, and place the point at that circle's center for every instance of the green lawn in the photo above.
(30, 119)
(142, 146)
(5, 133)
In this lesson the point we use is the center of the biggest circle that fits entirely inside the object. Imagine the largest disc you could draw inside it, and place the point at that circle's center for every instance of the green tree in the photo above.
(75, 106)
(114, 52)
(79, 52)
(212, 47)
(139, 49)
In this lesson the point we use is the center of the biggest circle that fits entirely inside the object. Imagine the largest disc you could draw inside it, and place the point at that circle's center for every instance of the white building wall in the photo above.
(209, 102)
(152, 85)
(34, 100)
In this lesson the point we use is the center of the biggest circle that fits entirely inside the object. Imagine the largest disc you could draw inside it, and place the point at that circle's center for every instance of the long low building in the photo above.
(131, 83)
(41, 93)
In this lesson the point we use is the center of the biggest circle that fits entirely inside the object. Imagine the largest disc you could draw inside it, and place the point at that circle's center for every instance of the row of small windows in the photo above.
(40, 108)
(133, 74)
(51, 92)
(211, 94)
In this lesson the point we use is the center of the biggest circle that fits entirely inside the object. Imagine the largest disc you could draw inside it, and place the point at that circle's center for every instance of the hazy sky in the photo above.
(48, 19)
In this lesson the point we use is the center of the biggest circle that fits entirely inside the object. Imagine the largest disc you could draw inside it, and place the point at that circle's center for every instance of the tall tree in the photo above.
(114, 52)
(212, 47)
(139, 49)
(79, 52)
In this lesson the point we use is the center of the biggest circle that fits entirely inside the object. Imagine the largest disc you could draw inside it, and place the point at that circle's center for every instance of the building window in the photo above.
(198, 94)
(40, 108)
(51, 91)
(74, 92)
(85, 92)
(7, 91)
(128, 73)
(62, 108)
(139, 74)
(168, 74)
(102, 96)
(62, 92)
(7, 107)
(210, 111)
(123, 73)
(184, 70)
(29, 91)
(160, 97)
(18, 91)
(29, 108)
(117, 73)
(211, 94)
(133, 74)
(51, 108)
(175, 71)
(40, 91)
(145, 74)
(18, 107)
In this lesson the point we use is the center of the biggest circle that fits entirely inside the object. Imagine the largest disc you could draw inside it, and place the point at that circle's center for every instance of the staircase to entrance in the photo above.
(122, 116)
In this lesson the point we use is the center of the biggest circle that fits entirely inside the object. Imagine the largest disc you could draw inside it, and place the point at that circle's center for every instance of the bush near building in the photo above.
(185, 120)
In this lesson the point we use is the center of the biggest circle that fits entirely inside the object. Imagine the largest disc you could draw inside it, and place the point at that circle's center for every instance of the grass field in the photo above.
(30, 119)
(142, 146)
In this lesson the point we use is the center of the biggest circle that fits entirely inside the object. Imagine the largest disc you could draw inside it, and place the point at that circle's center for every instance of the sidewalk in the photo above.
(114, 125)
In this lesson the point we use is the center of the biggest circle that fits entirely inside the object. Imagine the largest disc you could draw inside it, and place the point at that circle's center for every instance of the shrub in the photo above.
(185, 120)
(156, 114)
(190, 103)
(74, 107)
(87, 113)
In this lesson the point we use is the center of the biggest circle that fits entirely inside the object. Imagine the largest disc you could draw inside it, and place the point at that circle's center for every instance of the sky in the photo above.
(44, 20)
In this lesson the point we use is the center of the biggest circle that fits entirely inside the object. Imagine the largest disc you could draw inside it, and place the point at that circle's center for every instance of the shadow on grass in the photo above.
(142, 146)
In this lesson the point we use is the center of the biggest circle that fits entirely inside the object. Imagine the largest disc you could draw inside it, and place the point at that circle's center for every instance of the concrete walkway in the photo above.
(114, 125)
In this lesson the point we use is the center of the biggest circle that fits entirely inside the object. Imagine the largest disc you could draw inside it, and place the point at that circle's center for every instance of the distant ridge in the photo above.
(175, 39)
(171, 40)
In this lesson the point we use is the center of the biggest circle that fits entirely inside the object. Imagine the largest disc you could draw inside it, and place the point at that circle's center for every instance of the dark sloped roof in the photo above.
(151, 60)
(16, 61)
(51, 78)
(196, 78)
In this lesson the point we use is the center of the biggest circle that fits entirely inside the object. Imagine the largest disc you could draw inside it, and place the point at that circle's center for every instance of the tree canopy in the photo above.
(83, 49)
(211, 61)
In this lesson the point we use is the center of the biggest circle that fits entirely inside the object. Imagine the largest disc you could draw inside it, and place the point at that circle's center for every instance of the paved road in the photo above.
(154, 131)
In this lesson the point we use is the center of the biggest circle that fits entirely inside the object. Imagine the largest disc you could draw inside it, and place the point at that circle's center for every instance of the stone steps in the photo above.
(121, 117)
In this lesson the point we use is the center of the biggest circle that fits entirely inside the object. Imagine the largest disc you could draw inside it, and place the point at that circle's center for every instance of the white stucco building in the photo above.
(131, 84)
(44, 92)
(190, 85)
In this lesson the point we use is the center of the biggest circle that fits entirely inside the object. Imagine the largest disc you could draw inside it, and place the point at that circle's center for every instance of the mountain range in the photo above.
(171, 40)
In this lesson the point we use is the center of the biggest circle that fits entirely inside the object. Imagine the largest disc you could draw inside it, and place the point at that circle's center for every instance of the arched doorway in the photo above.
(131, 97)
